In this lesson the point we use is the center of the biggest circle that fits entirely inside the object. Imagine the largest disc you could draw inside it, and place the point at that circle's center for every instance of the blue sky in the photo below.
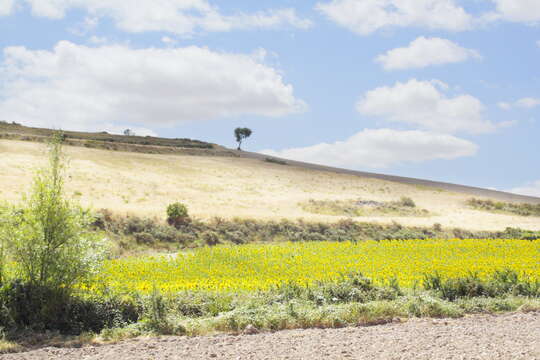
(439, 89)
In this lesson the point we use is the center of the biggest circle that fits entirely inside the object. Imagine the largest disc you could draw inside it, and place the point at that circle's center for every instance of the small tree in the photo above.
(177, 215)
(129, 132)
(49, 237)
(241, 134)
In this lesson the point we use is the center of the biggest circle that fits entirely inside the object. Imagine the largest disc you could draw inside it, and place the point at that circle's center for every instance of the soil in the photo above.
(512, 336)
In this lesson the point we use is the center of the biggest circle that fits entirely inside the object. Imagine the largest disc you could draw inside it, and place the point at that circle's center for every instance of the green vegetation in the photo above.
(135, 235)
(275, 161)
(48, 237)
(104, 137)
(353, 300)
(177, 215)
(505, 207)
(51, 262)
(50, 252)
(353, 208)
(241, 134)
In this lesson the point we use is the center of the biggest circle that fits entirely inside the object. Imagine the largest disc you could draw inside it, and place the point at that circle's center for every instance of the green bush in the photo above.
(275, 161)
(504, 282)
(26, 306)
(407, 202)
(48, 237)
(177, 215)
(240, 231)
(522, 209)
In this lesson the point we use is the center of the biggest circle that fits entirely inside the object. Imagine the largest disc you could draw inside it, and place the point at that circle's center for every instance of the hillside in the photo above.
(227, 183)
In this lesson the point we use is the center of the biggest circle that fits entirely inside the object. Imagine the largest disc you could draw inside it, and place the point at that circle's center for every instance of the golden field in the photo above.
(260, 267)
(144, 184)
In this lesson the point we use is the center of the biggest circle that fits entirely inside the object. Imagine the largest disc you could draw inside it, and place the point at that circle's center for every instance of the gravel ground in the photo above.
(511, 336)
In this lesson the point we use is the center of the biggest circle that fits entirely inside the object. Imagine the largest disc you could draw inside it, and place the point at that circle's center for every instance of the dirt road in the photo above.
(512, 336)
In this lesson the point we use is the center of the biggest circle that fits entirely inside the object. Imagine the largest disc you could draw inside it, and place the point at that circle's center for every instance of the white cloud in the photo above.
(79, 87)
(98, 40)
(176, 16)
(526, 11)
(538, 43)
(504, 105)
(424, 52)
(167, 40)
(380, 148)
(424, 104)
(119, 129)
(527, 103)
(6, 7)
(530, 189)
(367, 16)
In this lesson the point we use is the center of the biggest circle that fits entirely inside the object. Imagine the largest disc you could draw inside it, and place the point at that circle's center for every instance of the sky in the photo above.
(446, 90)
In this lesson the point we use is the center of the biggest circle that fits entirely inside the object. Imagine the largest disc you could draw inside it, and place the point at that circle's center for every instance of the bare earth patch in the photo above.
(512, 336)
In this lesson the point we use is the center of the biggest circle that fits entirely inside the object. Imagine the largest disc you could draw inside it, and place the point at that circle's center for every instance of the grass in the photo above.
(505, 207)
(353, 302)
(7, 347)
(230, 187)
(355, 208)
(95, 140)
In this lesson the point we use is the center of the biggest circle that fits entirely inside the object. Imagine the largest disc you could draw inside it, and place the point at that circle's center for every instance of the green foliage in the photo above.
(406, 202)
(275, 161)
(504, 282)
(4, 233)
(48, 237)
(133, 232)
(521, 209)
(177, 214)
(241, 134)
(26, 306)
(354, 208)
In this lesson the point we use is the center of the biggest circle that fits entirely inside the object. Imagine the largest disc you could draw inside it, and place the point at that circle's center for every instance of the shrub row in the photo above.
(240, 231)
(522, 209)
(27, 307)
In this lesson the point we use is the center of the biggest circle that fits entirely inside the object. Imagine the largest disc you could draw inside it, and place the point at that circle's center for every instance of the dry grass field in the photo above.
(144, 184)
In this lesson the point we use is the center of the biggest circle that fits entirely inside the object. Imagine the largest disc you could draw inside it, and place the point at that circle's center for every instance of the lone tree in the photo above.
(129, 132)
(241, 134)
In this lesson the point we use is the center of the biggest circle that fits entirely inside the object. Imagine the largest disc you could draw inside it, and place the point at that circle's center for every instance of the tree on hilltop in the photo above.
(241, 134)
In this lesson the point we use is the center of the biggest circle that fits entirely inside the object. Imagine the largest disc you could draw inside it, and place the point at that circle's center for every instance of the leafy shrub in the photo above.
(40, 308)
(522, 209)
(144, 238)
(275, 161)
(210, 238)
(407, 202)
(49, 238)
(177, 215)
(505, 282)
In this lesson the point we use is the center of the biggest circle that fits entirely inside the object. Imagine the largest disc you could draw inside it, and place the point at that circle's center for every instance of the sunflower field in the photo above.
(262, 267)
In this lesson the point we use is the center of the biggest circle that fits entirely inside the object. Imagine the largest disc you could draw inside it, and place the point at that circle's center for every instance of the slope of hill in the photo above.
(245, 185)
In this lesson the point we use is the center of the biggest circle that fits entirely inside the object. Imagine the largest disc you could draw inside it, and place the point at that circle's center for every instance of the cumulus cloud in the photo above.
(530, 189)
(80, 87)
(525, 11)
(367, 16)
(381, 148)
(6, 7)
(526, 103)
(176, 16)
(424, 104)
(424, 52)
(504, 105)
